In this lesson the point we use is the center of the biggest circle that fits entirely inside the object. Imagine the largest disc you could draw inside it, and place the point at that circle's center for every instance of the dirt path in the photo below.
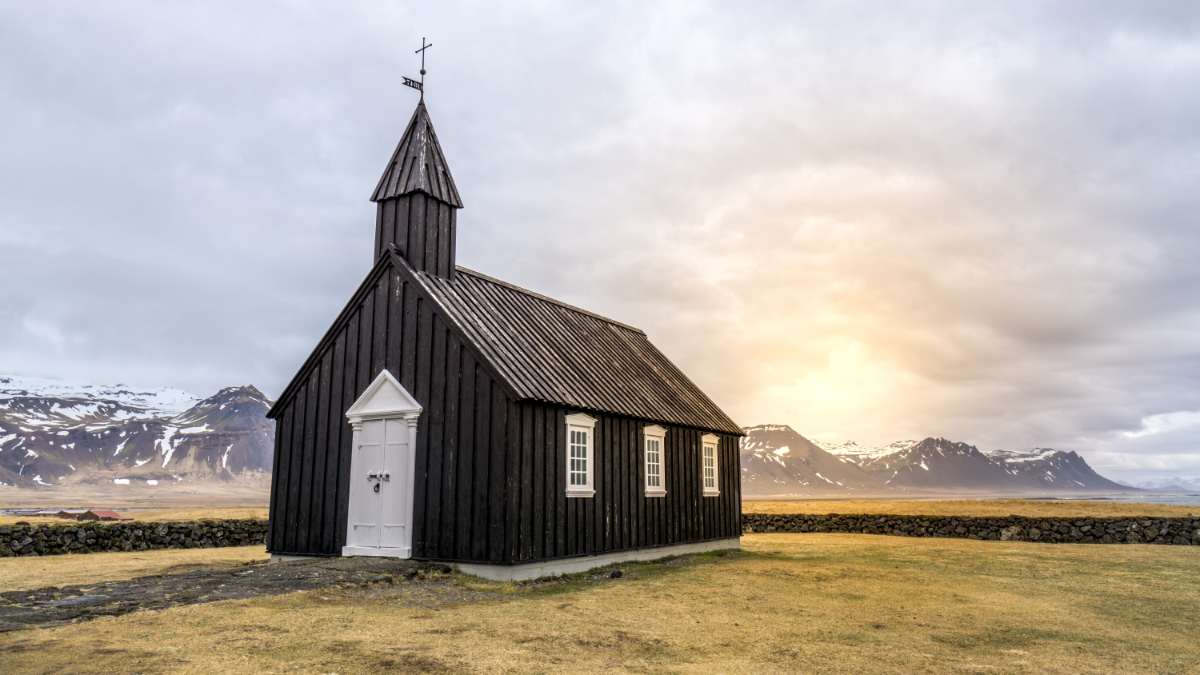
(55, 605)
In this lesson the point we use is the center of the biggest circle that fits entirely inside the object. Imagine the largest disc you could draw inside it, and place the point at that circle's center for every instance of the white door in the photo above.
(382, 470)
(380, 510)
(394, 465)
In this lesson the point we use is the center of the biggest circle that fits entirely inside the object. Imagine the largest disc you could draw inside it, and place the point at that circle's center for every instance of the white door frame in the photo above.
(384, 399)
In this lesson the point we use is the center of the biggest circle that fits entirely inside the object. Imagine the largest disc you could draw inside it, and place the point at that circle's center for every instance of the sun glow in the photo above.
(836, 393)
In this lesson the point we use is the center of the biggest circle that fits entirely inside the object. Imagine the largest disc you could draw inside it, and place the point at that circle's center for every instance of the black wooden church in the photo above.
(447, 415)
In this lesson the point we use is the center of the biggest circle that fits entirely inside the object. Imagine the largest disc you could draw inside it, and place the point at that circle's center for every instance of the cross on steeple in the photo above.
(421, 51)
(419, 85)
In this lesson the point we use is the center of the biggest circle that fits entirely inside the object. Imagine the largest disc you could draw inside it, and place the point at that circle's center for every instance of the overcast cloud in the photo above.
(969, 220)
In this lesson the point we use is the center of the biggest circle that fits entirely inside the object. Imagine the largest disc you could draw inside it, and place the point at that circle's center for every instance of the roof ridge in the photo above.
(546, 298)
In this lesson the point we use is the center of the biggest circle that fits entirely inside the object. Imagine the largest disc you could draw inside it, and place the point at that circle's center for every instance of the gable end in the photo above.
(393, 261)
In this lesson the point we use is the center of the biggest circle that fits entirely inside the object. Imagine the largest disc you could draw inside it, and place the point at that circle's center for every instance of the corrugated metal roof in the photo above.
(551, 351)
(418, 165)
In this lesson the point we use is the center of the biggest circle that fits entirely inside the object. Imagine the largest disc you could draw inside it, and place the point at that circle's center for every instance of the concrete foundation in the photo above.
(554, 568)
(281, 558)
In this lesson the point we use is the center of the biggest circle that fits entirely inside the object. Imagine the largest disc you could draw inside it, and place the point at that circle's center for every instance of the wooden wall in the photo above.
(619, 516)
(459, 467)
(422, 227)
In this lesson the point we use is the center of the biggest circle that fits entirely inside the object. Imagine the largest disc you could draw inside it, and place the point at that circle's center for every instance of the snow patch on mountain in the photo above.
(851, 449)
(1018, 456)
(165, 446)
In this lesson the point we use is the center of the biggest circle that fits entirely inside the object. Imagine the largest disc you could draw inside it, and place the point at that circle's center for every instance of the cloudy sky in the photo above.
(865, 223)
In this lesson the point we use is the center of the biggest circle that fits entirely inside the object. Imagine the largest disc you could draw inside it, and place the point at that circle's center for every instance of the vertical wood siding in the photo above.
(461, 437)
(420, 226)
(548, 524)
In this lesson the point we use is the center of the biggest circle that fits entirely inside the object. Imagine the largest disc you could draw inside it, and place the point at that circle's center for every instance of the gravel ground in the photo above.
(55, 605)
(418, 584)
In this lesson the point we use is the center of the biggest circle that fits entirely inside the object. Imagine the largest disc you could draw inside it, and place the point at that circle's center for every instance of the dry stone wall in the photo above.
(1180, 531)
(23, 539)
(26, 539)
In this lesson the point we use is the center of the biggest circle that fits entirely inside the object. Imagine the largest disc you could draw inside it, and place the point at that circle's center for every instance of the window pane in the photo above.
(710, 466)
(653, 463)
(577, 457)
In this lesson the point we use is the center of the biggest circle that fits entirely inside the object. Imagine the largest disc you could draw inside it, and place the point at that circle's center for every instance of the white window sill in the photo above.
(580, 493)
(712, 493)
(656, 492)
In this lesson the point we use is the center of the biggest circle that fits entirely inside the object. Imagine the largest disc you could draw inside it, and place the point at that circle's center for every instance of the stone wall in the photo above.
(90, 537)
(93, 537)
(1182, 531)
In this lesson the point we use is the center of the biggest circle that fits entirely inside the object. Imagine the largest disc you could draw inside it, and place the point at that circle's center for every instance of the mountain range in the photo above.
(778, 461)
(1186, 484)
(56, 433)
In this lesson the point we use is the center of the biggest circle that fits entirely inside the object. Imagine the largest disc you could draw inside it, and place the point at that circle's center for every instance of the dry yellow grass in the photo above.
(156, 515)
(69, 570)
(138, 497)
(810, 603)
(968, 507)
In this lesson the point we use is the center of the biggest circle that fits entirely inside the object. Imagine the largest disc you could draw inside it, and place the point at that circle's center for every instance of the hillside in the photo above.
(936, 463)
(1055, 468)
(778, 461)
(775, 457)
(53, 433)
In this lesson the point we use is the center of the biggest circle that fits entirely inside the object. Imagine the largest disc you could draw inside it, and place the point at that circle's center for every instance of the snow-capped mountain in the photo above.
(1046, 467)
(937, 463)
(777, 459)
(771, 466)
(55, 433)
(1174, 484)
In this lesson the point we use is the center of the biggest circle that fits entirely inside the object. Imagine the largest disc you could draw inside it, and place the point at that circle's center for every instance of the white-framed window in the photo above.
(581, 430)
(654, 445)
(709, 464)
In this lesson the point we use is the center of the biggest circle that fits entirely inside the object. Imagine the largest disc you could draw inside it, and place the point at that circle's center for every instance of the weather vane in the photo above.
(419, 85)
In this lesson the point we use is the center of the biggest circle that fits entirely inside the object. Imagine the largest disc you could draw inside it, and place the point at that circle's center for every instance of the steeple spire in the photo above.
(418, 165)
(418, 200)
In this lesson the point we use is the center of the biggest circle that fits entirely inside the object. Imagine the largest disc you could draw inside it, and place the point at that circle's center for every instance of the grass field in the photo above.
(69, 570)
(831, 603)
(252, 494)
(968, 507)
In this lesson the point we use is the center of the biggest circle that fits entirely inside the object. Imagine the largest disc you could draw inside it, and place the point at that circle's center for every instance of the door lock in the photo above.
(377, 487)
(385, 477)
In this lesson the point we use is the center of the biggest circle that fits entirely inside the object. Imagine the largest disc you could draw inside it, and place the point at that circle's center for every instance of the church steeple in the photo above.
(417, 201)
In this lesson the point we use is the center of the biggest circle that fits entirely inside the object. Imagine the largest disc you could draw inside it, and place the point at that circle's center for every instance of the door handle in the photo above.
(385, 477)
